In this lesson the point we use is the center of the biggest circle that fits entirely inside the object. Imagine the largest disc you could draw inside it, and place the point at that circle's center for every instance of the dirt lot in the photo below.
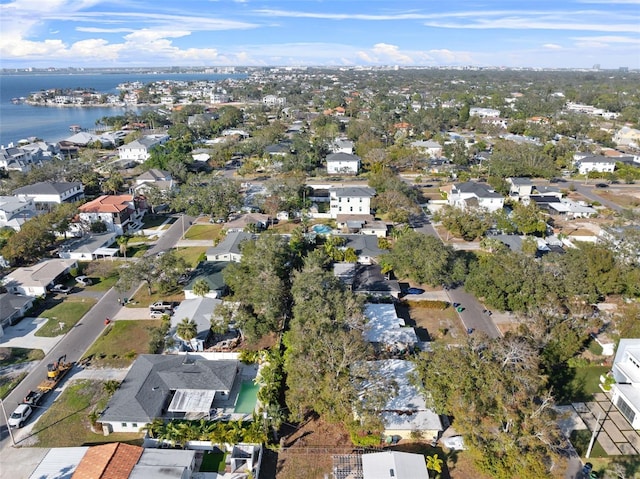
(432, 324)
(308, 454)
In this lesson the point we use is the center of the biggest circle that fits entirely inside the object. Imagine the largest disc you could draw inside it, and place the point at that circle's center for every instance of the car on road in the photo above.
(414, 291)
(61, 288)
(161, 306)
(601, 185)
(20, 415)
(84, 280)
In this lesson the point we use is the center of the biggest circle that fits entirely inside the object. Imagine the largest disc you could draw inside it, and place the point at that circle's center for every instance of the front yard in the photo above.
(67, 424)
(64, 316)
(121, 343)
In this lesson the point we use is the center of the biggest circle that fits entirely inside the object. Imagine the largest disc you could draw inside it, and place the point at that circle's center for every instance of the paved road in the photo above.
(472, 317)
(588, 192)
(84, 333)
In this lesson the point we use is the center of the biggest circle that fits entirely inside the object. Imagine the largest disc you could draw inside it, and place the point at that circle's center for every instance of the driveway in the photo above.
(23, 335)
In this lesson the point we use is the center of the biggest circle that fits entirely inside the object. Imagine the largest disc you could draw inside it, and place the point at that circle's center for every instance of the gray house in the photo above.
(168, 386)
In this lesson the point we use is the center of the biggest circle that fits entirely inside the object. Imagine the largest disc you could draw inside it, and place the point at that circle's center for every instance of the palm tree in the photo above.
(123, 242)
(201, 287)
(434, 463)
(155, 428)
(187, 329)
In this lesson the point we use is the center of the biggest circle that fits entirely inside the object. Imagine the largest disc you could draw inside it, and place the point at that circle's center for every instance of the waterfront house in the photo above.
(140, 150)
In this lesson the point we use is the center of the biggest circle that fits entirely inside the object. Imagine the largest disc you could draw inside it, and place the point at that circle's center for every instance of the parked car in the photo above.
(20, 415)
(415, 291)
(161, 306)
(157, 314)
(84, 280)
(601, 185)
(61, 288)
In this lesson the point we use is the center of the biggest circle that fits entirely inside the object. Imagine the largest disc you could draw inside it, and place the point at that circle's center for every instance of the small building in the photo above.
(626, 372)
(13, 307)
(89, 247)
(365, 247)
(15, 211)
(211, 273)
(394, 465)
(259, 221)
(597, 163)
(343, 164)
(229, 249)
(431, 148)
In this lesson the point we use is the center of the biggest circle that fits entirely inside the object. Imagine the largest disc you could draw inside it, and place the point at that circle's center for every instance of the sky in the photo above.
(489, 33)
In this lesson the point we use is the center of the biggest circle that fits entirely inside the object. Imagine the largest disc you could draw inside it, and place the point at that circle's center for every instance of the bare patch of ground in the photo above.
(431, 324)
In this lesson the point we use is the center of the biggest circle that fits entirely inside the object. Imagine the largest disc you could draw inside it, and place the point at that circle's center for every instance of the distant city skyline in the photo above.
(139, 33)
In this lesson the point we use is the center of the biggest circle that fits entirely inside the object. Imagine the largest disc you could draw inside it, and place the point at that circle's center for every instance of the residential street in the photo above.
(472, 316)
(81, 336)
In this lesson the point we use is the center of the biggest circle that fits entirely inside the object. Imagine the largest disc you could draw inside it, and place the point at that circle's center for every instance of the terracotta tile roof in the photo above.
(109, 461)
(107, 204)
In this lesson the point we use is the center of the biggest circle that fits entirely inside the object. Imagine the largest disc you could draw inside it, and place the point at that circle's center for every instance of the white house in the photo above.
(484, 112)
(626, 372)
(353, 200)
(140, 150)
(385, 329)
(14, 211)
(405, 411)
(343, 163)
(117, 212)
(342, 145)
(428, 147)
(46, 194)
(473, 195)
(154, 177)
(627, 136)
(273, 100)
(37, 279)
(229, 248)
(598, 163)
(394, 465)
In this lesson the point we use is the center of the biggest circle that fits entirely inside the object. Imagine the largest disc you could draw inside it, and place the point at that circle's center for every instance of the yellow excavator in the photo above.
(55, 372)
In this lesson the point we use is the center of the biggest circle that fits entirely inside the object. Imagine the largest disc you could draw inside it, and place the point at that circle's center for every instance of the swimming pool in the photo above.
(247, 398)
(321, 229)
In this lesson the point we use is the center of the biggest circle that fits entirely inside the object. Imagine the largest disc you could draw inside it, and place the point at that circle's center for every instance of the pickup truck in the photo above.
(161, 306)
(20, 415)
(34, 398)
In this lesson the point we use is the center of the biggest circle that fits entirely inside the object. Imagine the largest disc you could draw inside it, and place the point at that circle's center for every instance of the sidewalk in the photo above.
(22, 335)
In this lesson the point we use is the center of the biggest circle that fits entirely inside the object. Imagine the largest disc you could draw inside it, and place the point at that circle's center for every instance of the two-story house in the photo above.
(140, 150)
(14, 211)
(47, 194)
(117, 212)
(598, 163)
(520, 187)
(473, 195)
(154, 177)
(626, 372)
(343, 163)
(350, 200)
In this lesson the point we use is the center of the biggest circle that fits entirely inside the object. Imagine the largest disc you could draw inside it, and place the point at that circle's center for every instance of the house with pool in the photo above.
(212, 386)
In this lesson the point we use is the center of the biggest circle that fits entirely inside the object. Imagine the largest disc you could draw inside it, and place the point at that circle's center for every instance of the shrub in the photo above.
(249, 357)
(362, 439)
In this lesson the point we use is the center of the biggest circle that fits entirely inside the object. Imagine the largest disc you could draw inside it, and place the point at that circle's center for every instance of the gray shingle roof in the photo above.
(481, 190)
(230, 243)
(354, 191)
(342, 157)
(46, 188)
(145, 390)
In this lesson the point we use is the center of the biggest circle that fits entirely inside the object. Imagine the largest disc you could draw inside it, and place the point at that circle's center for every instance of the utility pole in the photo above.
(6, 420)
(593, 436)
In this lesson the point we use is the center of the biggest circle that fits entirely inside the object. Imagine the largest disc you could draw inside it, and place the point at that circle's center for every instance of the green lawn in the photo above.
(102, 284)
(153, 221)
(213, 462)
(67, 313)
(8, 383)
(580, 440)
(204, 232)
(11, 356)
(66, 423)
(191, 254)
(577, 384)
(121, 343)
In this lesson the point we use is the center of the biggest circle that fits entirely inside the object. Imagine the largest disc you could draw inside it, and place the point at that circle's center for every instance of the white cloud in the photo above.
(609, 39)
(552, 46)
(104, 30)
